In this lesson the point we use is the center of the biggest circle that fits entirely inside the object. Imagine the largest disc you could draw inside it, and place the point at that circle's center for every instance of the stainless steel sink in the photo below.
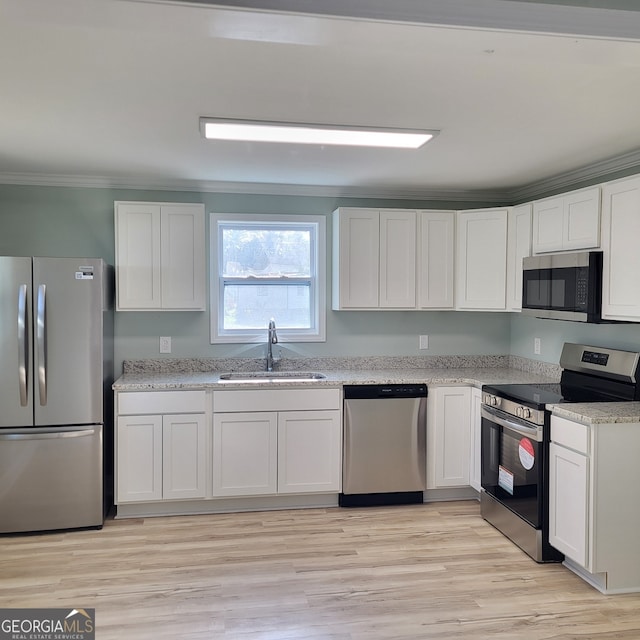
(272, 376)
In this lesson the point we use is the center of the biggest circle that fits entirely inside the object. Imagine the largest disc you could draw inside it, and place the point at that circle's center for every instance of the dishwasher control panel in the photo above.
(367, 391)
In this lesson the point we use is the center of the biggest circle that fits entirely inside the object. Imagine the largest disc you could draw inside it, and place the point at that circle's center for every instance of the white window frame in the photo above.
(317, 332)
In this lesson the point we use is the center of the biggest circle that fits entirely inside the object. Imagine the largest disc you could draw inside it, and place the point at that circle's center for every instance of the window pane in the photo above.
(254, 251)
(252, 306)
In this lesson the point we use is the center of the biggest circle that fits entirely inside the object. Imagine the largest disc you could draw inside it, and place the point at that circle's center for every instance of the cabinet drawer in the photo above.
(570, 434)
(276, 400)
(141, 402)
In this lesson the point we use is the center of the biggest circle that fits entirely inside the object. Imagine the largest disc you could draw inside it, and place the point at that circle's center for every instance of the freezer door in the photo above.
(16, 374)
(68, 305)
(50, 478)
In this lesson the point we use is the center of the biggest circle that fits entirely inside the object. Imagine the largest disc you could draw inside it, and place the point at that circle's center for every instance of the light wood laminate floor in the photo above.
(423, 571)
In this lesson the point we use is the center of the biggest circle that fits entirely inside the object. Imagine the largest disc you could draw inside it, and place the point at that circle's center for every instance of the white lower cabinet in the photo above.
(568, 502)
(594, 501)
(162, 455)
(448, 437)
(309, 451)
(245, 454)
(277, 452)
(475, 466)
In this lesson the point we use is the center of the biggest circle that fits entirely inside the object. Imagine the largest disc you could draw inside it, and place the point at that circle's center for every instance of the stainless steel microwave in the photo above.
(563, 286)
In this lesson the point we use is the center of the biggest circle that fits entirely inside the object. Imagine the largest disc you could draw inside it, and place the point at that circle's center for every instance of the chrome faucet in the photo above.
(272, 339)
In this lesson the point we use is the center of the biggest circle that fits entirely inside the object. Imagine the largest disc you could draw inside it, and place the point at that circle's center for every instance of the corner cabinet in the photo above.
(481, 260)
(621, 258)
(282, 441)
(518, 247)
(160, 256)
(567, 222)
(161, 446)
(374, 253)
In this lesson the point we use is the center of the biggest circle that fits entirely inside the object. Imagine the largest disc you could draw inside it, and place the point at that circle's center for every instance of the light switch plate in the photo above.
(424, 342)
(165, 344)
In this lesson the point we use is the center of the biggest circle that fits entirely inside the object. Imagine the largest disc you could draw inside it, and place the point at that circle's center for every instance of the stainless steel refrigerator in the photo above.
(56, 372)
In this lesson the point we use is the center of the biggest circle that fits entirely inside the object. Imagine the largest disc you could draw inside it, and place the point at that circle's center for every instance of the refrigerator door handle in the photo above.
(23, 345)
(47, 435)
(41, 336)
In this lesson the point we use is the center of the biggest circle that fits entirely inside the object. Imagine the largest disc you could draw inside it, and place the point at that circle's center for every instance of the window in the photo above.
(265, 267)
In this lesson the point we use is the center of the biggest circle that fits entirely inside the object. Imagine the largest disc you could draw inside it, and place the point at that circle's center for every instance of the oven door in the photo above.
(512, 464)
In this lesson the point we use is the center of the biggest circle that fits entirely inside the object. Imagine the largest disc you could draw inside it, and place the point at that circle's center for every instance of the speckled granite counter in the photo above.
(495, 370)
(599, 412)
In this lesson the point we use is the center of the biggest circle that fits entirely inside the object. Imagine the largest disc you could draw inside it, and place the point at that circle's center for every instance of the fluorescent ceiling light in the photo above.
(257, 131)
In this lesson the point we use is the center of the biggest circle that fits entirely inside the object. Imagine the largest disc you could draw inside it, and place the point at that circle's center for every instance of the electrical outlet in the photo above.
(536, 346)
(424, 342)
(165, 344)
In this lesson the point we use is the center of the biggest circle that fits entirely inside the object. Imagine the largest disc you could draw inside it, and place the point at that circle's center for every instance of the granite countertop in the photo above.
(475, 376)
(204, 373)
(598, 412)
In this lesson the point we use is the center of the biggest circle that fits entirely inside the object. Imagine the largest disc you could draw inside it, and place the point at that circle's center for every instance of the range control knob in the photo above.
(491, 400)
(523, 412)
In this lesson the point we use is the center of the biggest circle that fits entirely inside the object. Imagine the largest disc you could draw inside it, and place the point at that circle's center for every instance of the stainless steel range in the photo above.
(515, 439)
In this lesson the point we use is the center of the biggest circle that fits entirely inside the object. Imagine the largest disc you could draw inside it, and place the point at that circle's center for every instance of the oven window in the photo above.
(511, 470)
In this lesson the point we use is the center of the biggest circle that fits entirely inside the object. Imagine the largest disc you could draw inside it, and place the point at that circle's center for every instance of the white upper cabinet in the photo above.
(374, 259)
(436, 259)
(621, 258)
(518, 247)
(397, 259)
(481, 259)
(567, 222)
(160, 256)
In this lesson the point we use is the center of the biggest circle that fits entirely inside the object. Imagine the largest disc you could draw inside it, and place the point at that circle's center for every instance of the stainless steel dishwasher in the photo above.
(384, 444)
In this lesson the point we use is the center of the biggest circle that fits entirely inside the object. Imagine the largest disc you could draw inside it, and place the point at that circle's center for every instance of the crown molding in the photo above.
(609, 169)
(602, 171)
(591, 18)
(250, 188)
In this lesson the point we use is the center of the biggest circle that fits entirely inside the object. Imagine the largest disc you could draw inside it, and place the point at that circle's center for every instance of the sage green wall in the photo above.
(65, 221)
(554, 333)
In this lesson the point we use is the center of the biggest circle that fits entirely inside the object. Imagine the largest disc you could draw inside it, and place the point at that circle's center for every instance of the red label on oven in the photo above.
(526, 453)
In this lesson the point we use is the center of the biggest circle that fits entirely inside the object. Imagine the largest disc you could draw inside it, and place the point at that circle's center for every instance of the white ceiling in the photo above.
(109, 92)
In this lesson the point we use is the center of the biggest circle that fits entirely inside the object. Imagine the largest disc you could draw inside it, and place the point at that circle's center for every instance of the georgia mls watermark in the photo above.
(47, 624)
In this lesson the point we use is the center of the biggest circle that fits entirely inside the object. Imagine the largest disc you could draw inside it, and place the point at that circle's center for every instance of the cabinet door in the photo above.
(548, 225)
(481, 257)
(436, 239)
(621, 258)
(184, 456)
(448, 437)
(309, 451)
(139, 459)
(182, 256)
(245, 450)
(518, 247)
(397, 259)
(582, 219)
(356, 258)
(476, 439)
(567, 222)
(568, 502)
(137, 256)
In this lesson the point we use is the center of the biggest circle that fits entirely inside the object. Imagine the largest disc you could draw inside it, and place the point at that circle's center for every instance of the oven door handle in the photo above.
(531, 432)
